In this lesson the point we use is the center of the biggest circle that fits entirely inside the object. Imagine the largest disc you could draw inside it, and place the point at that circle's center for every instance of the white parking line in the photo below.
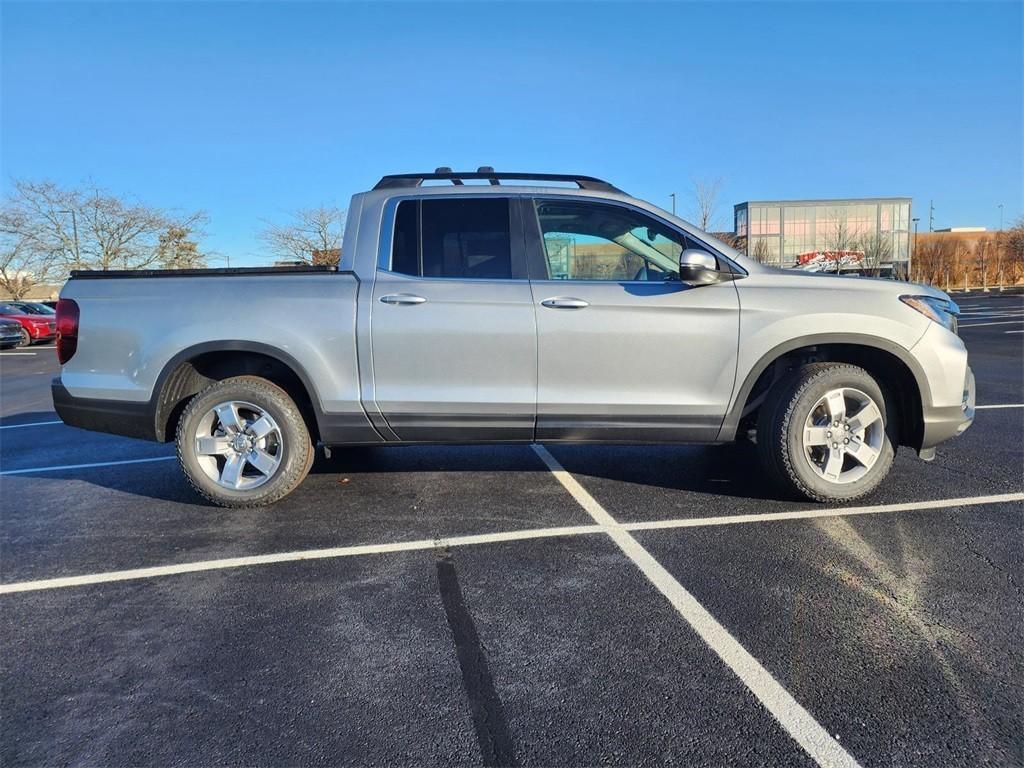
(288, 557)
(85, 466)
(490, 538)
(797, 721)
(1005, 405)
(33, 424)
(534, 533)
(17, 354)
(1001, 322)
(812, 514)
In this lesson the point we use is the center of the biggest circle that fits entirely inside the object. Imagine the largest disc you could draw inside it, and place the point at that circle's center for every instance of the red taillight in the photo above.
(67, 329)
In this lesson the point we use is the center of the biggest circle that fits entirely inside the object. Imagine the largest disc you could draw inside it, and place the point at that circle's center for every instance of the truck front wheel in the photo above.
(825, 433)
(243, 443)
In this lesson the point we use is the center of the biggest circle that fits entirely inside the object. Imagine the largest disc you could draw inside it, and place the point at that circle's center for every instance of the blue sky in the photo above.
(251, 110)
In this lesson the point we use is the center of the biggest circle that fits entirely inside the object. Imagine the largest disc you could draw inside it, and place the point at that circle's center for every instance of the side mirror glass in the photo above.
(698, 267)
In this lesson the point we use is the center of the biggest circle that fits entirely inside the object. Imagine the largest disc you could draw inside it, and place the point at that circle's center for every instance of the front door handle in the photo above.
(564, 302)
(402, 298)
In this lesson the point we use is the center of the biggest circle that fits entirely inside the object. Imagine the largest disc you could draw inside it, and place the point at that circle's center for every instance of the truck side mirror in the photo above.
(698, 267)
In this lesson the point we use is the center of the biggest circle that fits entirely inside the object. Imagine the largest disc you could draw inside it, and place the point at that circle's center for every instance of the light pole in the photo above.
(673, 196)
(74, 227)
(913, 250)
(1000, 207)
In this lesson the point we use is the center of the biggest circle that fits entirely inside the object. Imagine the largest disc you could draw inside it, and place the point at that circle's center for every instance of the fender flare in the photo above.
(732, 418)
(155, 404)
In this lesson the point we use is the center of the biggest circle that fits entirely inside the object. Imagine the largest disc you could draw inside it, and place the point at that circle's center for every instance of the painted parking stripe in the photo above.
(812, 514)
(288, 557)
(32, 424)
(30, 470)
(797, 721)
(1005, 405)
(17, 354)
(1000, 322)
(487, 538)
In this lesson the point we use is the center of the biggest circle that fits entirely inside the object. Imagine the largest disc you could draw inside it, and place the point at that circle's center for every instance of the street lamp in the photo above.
(913, 250)
(74, 227)
(673, 196)
(1000, 207)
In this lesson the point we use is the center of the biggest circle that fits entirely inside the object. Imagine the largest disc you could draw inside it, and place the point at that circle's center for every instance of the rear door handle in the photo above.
(402, 298)
(564, 302)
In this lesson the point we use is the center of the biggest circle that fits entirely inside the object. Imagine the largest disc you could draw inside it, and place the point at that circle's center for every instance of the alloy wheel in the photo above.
(239, 445)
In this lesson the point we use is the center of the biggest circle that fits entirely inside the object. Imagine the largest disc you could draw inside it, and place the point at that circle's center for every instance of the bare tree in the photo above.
(877, 249)
(838, 238)
(23, 265)
(705, 199)
(177, 247)
(68, 228)
(313, 236)
(760, 251)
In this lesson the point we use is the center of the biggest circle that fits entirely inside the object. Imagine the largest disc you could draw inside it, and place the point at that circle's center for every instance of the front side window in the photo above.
(595, 241)
(454, 238)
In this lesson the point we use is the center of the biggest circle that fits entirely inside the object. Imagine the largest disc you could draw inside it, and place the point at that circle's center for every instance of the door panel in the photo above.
(626, 352)
(454, 354)
(461, 365)
(641, 362)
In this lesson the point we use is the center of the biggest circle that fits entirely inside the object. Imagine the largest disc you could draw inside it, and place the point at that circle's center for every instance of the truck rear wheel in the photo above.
(825, 433)
(243, 443)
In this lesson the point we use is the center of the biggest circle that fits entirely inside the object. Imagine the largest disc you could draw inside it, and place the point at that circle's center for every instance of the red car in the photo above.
(35, 328)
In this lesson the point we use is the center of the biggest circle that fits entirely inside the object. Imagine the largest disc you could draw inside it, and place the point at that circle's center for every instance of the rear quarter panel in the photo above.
(131, 328)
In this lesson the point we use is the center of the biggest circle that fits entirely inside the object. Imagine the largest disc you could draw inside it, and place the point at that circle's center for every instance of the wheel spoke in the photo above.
(863, 453)
(262, 427)
(228, 417)
(212, 446)
(836, 404)
(262, 460)
(232, 473)
(865, 417)
(816, 436)
(834, 465)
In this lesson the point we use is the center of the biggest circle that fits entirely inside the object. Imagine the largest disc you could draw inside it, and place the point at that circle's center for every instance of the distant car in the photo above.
(51, 304)
(35, 328)
(34, 307)
(10, 333)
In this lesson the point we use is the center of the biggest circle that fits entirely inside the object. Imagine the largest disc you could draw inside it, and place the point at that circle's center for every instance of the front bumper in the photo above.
(941, 424)
(10, 338)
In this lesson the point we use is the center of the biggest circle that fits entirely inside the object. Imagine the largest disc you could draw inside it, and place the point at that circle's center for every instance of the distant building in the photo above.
(962, 229)
(867, 235)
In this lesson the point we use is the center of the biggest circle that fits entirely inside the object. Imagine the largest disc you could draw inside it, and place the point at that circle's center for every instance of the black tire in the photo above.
(298, 452)
(780, 432)
(26, 340)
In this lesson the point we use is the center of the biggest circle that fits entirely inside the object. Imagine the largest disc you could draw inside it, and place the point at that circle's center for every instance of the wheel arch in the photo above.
(194, 368)
(892, 365)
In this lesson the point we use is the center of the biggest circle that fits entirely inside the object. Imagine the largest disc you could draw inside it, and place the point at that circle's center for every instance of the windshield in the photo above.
(35, 308)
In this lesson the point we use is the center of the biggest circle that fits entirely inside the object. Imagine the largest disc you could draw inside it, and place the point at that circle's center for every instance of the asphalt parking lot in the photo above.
(514, 606)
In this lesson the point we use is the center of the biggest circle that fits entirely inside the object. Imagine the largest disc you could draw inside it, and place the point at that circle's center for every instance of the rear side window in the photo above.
(453, 238)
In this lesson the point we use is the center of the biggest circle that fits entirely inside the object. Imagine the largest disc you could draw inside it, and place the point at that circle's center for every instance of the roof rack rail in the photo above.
(493, 177)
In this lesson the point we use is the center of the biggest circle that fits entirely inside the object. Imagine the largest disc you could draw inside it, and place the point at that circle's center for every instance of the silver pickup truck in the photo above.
(559, 310)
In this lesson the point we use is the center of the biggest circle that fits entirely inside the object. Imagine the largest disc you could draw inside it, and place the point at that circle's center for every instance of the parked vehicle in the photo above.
(33, 307)
(472, 313)
(10, 333)
(35, 328)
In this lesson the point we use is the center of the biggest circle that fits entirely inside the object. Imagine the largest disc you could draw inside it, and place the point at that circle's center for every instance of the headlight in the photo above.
(942, 311)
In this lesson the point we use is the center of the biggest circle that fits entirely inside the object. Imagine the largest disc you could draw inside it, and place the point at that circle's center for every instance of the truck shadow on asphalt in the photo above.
(721, 470)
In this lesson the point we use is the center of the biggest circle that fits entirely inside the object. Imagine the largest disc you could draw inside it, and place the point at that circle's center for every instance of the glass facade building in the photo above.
(868, 236)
